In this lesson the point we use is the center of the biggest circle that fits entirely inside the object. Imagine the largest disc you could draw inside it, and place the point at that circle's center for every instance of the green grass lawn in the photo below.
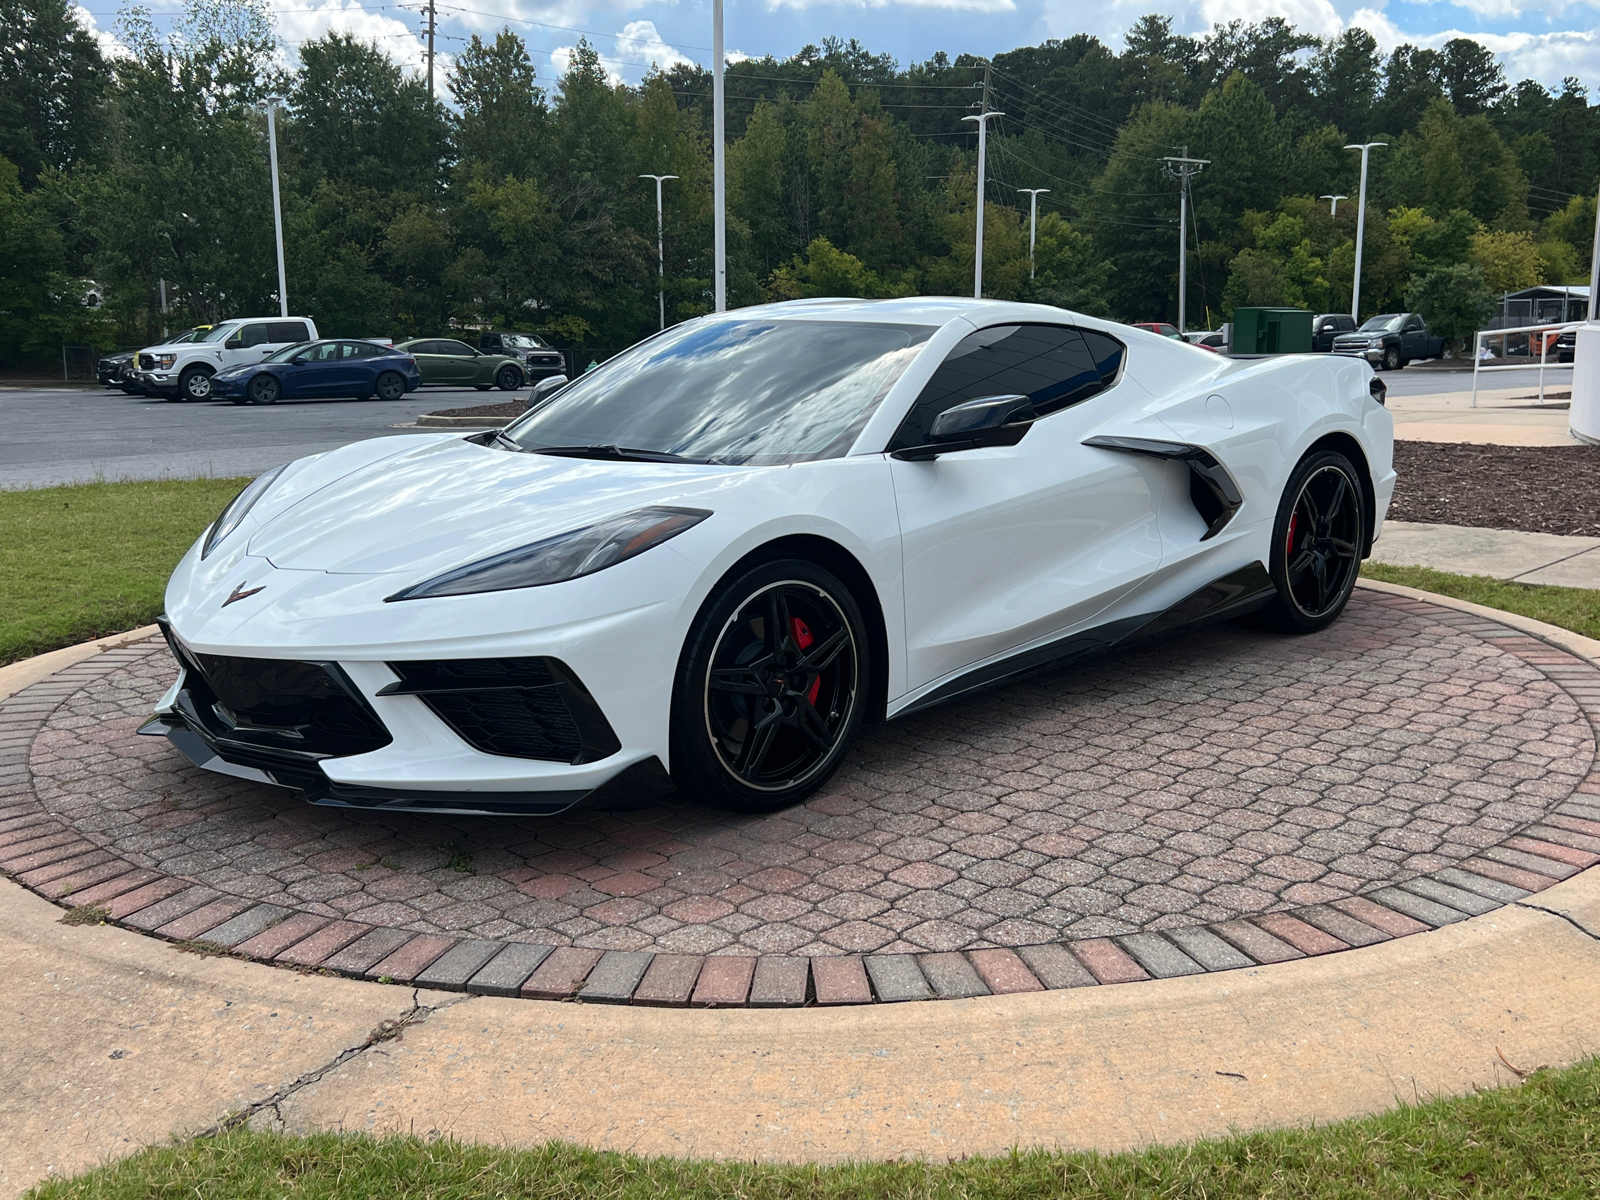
(83, 561)
(1540, 1139)
(1577, 609)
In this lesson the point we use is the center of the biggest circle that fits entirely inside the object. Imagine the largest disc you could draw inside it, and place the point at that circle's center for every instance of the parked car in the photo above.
(339, 367)
(446, 362)
(1327, 326)
(864, 503)
(116, 370)
(1567, 346)
(1390, 341)
(1210, 339)
(539, 359)
(1160, 327)
(183, 370)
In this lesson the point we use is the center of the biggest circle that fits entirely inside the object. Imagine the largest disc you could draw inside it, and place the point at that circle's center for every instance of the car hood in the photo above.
(1358, 337)
(448, 503)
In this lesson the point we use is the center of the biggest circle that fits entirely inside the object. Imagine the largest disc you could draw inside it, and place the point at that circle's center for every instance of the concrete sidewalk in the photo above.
(1505, 416)
(1545, 558)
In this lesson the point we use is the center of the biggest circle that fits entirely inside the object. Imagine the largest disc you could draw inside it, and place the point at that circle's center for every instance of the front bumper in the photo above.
(1370, 353)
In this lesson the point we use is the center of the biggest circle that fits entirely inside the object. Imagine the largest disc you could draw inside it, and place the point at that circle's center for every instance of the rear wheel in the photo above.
(770, 688)
(264, 389)
(508, 378)
(1316, 543)
(391, 386)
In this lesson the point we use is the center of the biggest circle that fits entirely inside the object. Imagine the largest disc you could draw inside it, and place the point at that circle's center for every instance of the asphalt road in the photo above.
(67, 436)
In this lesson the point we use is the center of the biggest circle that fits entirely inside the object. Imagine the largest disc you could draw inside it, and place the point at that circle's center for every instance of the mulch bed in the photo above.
(511, 408)
(1539, 489)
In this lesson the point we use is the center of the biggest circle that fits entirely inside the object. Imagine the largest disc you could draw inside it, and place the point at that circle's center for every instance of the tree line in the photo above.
(514, 200)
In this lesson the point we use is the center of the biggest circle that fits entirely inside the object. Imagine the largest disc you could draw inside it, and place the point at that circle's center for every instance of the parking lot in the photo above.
(59, 435)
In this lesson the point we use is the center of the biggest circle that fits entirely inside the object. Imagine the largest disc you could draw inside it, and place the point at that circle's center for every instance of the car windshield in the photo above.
(286, 353)
(218, 333)
(524, 341)
(760, 391)
(1387, 323)
(189, 335)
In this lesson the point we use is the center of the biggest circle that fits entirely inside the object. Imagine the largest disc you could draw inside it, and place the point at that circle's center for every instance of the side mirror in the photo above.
(300, 360)
(544, 389)
(988, 421)
(233, 343)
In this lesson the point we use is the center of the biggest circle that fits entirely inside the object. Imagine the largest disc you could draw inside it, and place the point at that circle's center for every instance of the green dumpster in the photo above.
(1271, 331)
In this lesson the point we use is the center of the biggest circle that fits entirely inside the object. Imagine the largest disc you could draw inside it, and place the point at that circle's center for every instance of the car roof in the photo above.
(917, 310)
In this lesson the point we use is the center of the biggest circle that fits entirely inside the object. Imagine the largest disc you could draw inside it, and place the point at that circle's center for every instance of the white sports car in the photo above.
(731, 545)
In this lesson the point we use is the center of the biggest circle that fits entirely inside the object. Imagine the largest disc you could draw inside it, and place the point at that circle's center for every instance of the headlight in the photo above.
(166, 360)
(565, 556)
(237, 508)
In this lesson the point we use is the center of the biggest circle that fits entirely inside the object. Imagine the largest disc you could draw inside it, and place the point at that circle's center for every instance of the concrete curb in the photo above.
(431, 421)
(18, 675)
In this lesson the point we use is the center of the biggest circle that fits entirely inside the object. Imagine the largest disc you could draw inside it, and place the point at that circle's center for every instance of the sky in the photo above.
(1546, 40)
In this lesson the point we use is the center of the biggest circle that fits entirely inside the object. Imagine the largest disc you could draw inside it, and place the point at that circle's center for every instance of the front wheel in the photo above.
(391, 386)
(1316, 543)
(264, 389)
(509, 379)
(194, 384)
(770, 687)
(1391, 359)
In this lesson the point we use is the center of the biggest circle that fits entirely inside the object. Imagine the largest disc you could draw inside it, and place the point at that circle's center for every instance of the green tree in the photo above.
(757, 186)
(1509, 262)
(1454, 301)
(52, 87)
(40, 304)
(501, 127)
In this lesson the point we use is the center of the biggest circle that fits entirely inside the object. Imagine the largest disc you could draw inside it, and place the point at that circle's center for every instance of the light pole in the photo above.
(1333, 203)
(661, 246)
(1361, 227)
(1033, 221)
(1183, 168)
(271, 104)
(719, 173)
(983, 152)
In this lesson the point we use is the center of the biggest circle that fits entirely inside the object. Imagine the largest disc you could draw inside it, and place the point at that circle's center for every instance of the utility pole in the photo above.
(271, 104)
(661, 247)
(1183, 169)
(432, 26)
(719, 172)
(982, 118)
(1033, 221)
(1361, 228)
(1333, 203)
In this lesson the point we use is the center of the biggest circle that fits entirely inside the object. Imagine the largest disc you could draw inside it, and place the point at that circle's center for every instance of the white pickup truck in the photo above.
(183, 371)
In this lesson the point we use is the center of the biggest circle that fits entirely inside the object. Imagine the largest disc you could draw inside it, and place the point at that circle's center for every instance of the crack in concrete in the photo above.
(386, 1030)
(1578, 925)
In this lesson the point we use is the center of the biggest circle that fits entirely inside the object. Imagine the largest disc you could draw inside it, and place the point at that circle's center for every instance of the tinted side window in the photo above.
(288, 331)
(254, 335)
(425, 348)
(1054, 366)
(457, 348)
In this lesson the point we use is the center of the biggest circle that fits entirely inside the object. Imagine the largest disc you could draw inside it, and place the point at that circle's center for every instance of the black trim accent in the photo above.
(1215, 495)
(1233, 595)
(513, 707)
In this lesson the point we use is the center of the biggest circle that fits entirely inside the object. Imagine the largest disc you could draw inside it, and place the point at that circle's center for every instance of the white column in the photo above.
(719, 186)
(1361, 228)
(277, 210)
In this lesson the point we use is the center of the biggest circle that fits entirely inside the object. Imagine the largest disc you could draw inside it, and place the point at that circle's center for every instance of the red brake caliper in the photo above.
(803, 639)
(1288, 546)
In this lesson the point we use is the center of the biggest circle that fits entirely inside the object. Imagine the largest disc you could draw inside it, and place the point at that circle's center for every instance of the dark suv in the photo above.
(1327, 326)
(540, 359)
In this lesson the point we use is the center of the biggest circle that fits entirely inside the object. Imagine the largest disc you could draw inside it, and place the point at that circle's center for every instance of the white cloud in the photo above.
(638, 47)
(299, 22)
(1547, 57)
(986, 6)
(1310, 16)
(109, 45)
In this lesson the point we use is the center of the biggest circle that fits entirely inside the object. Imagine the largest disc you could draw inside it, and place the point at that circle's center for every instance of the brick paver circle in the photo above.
(1211, 777)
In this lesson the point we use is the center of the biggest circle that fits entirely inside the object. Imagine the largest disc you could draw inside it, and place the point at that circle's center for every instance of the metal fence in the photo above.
(1544, 335)
(78, 363)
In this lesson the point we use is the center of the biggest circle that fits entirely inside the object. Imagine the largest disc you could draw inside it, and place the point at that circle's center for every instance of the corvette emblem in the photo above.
(239, 593)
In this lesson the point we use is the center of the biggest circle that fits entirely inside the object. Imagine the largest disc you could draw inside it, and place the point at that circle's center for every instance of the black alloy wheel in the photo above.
(264, 389)
(391, 386)
(194, 384)
(508, 379)
(1391, 359)
(1317, 543)
(770, 689)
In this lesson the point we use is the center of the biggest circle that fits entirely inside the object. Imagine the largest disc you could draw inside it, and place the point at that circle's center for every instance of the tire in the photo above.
(194, 385)
(264, 389)
(391, 386)
(508, 379)
(1316, 544)
(805, 715)
(482, 387)
(1391, 359)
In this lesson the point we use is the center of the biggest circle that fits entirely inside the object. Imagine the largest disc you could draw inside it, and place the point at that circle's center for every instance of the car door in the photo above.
(308, 373)
(1413, 338)
(1007, 548)
(249, 343)
(461, 363)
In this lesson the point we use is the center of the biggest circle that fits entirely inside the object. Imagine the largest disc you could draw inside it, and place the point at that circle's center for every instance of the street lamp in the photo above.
(1333, 203)
(1361, 227)
(983, 151)
(1033, 221)
(661, 246)
(719, 169)
(270, 104)
(1183, 168)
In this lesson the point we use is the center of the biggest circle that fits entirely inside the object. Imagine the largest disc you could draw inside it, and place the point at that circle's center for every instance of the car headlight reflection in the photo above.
(237, 508)
(565, 556)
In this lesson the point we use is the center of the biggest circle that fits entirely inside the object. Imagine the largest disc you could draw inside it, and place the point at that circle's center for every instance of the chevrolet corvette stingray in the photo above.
(729, 547)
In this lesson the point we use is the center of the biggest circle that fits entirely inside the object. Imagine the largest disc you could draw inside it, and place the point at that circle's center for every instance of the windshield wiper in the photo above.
(612, 453)
(499, 437)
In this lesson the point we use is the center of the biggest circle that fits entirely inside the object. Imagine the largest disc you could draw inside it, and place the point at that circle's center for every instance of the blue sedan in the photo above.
(325, 368)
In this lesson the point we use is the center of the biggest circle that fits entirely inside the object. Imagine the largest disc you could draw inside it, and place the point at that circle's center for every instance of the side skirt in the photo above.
(1233, 595)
